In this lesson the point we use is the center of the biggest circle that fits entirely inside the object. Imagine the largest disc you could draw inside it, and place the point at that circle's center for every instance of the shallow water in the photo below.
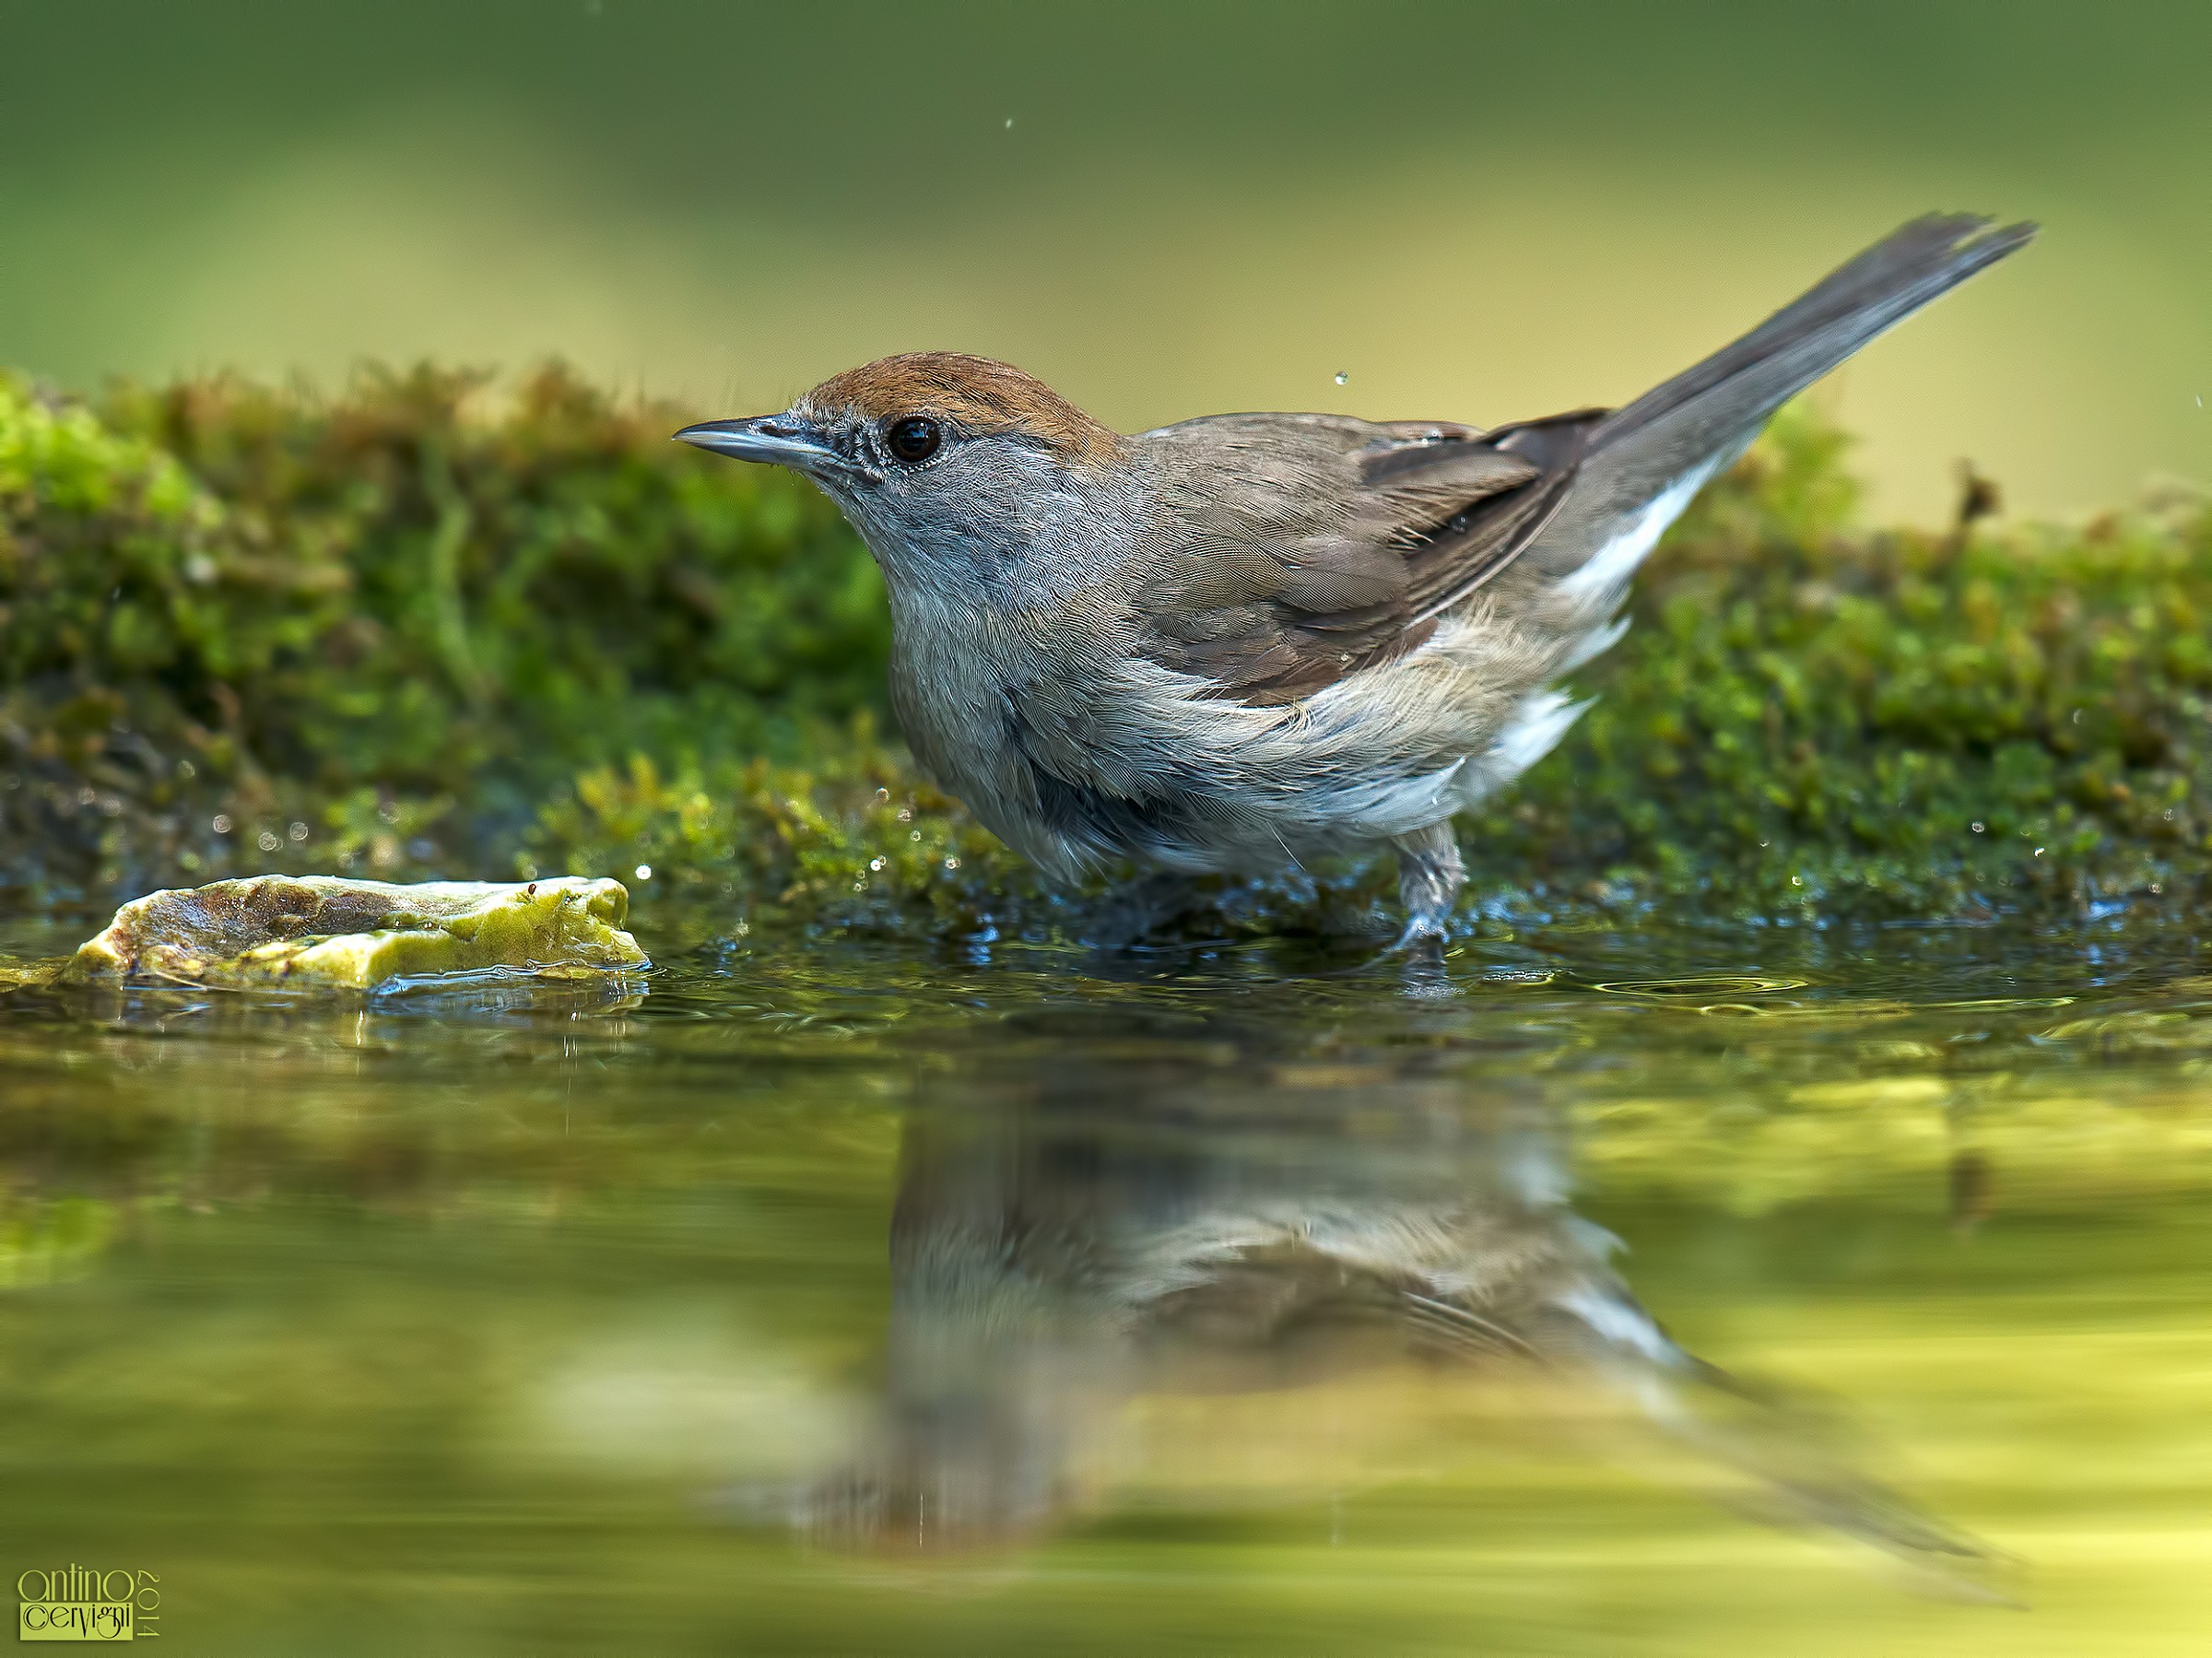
(1734, 1291)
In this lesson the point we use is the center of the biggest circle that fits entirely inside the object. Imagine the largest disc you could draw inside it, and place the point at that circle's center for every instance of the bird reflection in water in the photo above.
(1057, 1253)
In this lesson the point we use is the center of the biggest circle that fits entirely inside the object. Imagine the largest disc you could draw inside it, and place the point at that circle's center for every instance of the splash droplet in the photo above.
(644, 872)
(1342, 378)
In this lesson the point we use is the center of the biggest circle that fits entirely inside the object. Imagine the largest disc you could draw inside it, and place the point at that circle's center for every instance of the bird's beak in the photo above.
(784, 439)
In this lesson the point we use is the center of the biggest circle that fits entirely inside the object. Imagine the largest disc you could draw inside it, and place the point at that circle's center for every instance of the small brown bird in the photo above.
(1239, 640)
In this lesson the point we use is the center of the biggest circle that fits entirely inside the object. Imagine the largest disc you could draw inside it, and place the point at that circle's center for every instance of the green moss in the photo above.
(395, 619)
(279, 931)
(417, 630)
(1804, 718)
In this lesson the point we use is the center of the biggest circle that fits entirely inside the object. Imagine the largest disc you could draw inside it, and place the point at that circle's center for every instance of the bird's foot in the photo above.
(1423, 939)
(1419, 956)
(1429, 877)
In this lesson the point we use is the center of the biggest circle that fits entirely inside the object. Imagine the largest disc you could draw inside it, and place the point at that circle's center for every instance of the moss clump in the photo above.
(393, 623)
(1808, 718)
(411, 631)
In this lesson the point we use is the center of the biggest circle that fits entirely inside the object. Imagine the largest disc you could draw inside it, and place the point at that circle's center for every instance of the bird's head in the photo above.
(957, 470)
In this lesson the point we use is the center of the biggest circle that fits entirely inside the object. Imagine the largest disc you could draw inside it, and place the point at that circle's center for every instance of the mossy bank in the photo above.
(435, 627)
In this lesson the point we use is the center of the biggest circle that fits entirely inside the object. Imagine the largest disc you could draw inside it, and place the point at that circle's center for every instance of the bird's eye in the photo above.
(914, 440)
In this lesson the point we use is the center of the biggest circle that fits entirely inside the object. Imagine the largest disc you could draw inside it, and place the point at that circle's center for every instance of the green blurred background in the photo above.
(1475, 210)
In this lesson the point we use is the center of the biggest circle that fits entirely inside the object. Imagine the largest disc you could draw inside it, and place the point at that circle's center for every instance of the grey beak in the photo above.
(780, 440)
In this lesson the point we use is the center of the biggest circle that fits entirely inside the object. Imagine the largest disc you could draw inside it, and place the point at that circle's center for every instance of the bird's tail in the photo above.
(1641, 464)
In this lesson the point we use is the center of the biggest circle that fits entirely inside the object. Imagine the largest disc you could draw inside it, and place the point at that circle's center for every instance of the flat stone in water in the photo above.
(306, 931)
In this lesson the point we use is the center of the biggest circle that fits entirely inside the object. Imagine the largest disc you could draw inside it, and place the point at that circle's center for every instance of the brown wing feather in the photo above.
(1478, 543)
(1308, 548)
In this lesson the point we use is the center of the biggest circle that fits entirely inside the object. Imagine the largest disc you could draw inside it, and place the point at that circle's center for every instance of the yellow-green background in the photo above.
(1475, 210)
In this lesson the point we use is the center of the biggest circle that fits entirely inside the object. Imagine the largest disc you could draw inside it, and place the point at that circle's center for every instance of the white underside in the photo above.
(1607, 571)
(1543, 716)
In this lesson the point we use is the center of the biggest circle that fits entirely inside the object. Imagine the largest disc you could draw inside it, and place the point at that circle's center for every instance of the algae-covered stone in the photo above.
(321, 930)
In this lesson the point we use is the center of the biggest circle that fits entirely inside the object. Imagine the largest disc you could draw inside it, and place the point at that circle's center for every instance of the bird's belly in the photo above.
(1144, 769)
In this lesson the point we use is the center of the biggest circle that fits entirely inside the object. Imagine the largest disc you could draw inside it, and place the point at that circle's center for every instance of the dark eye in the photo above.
(913, 440)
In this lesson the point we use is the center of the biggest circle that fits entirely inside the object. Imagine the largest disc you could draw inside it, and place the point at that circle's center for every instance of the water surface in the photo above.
(1674, 1291)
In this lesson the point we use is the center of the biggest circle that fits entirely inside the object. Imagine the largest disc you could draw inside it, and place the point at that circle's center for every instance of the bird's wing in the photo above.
(1307, 548)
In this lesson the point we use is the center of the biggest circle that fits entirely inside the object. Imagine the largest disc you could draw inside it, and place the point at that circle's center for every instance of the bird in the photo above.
(1244, 641)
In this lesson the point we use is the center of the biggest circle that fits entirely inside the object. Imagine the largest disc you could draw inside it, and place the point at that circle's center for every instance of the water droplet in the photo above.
(1977, 826)
(875, 863)
(298, 831)
(221, 824)
(1342, 378)
(1009, 123)
(266, 841)
(644, 872)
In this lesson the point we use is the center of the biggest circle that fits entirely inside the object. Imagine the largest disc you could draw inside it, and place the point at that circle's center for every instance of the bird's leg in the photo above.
(1429, 877)
(1134, 910)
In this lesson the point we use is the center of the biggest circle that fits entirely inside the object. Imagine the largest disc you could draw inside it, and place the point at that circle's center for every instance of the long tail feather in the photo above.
(1644, 461)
